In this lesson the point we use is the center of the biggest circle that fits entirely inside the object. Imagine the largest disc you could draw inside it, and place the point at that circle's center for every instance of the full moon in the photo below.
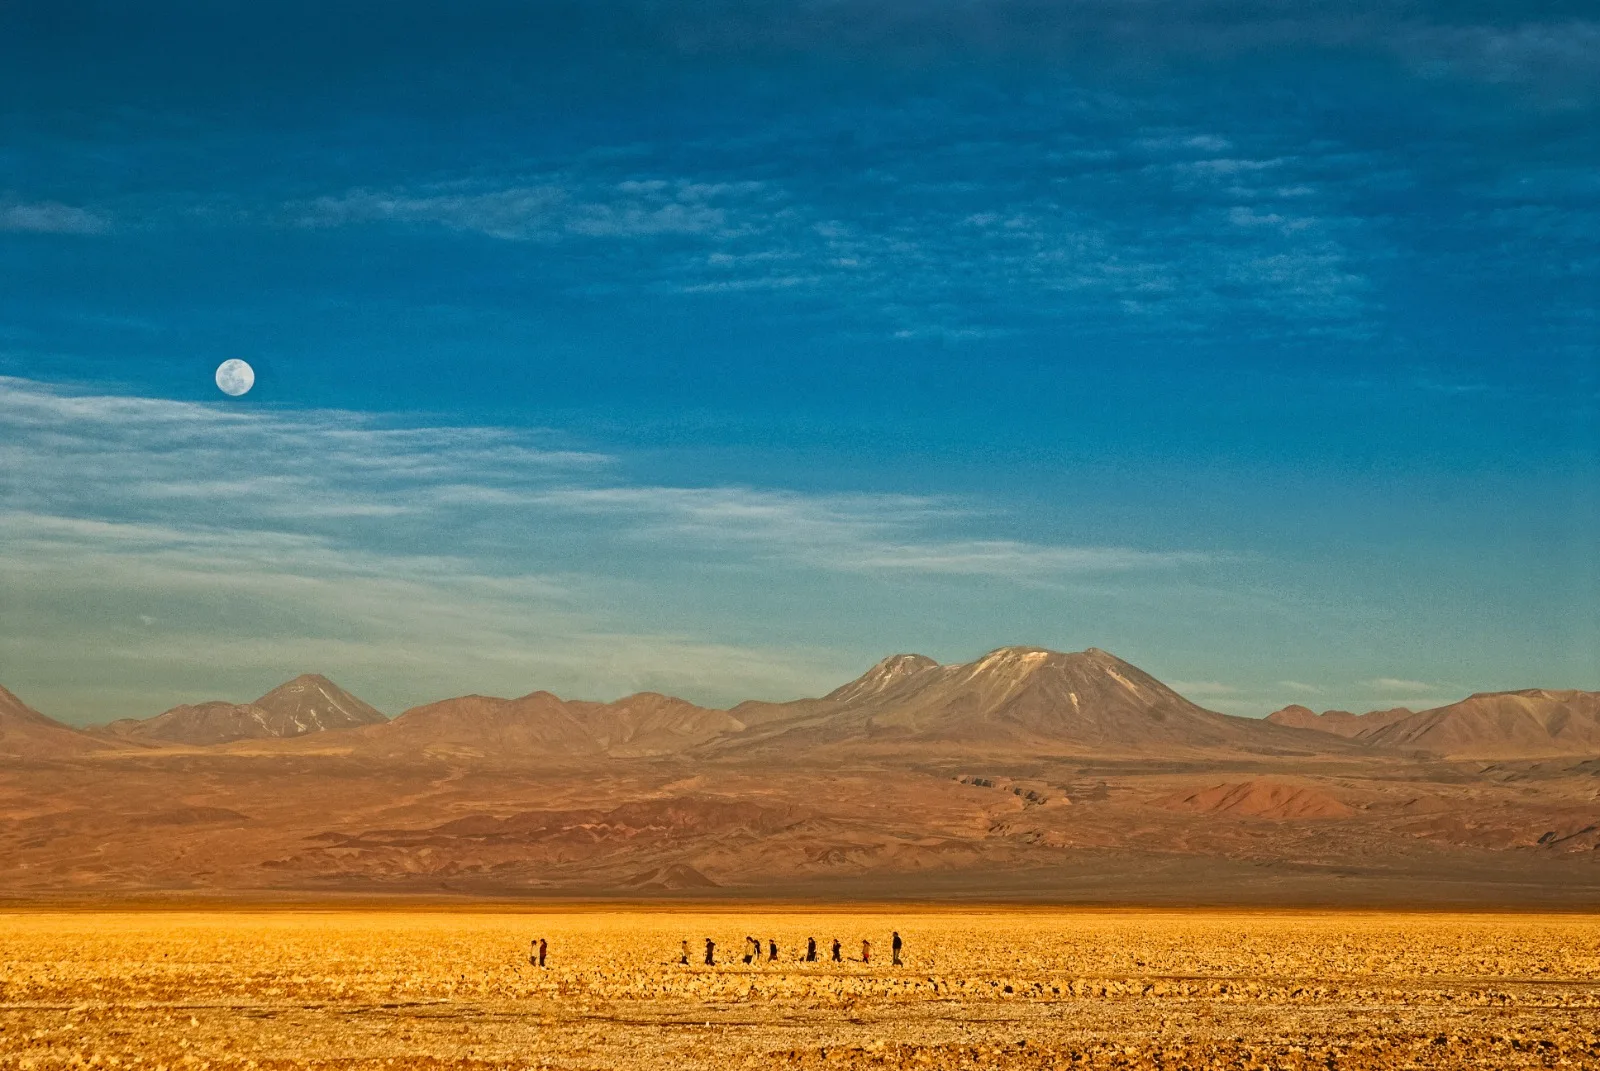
(234, 377)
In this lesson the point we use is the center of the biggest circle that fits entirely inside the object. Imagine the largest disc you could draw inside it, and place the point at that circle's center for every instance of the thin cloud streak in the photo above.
(560, 207)
(1203, 688)
(1267, 236)
(50, 217)
(851, 533)
(1394, 684)
(94, 459)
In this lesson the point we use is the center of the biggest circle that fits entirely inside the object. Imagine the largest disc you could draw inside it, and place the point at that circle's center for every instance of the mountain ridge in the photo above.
(1528, 723)
(309, 703)
(26, 734)
(1339, 722)
(1015, 699)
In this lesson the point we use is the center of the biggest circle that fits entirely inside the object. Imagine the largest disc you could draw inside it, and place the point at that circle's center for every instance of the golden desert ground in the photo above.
(981, 987)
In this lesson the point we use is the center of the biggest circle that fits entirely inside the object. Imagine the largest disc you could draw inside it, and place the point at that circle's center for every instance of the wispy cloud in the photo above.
(1203, 688)
(1395, 684)
(1166, 231)
(50, 217)
(560, 206)
(304, 475)
(852, 533)
(1559, 58)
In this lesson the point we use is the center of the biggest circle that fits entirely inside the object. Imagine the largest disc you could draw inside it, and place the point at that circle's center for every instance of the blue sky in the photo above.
(722, 349)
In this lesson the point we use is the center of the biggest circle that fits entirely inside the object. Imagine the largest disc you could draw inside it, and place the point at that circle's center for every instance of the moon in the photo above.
(235, 377)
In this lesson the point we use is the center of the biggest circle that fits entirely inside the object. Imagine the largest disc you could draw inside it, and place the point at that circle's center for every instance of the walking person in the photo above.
(894, 948)
(711, 952)
(866, 950)
(542, 949)
(811, 950)
(836, 958)
(533, 952)
(684, 959)
(772, 950)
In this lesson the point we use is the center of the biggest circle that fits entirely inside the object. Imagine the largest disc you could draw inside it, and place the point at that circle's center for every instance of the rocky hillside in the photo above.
(310, 703)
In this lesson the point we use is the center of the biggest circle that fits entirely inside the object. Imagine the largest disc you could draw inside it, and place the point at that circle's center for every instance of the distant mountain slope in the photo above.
(310, 703)
(544, 726)
(27, 734)
(1014, 697)
(1012, 701)
(1339, 722)
(653, 724)
(1529, 724)
(531, 727)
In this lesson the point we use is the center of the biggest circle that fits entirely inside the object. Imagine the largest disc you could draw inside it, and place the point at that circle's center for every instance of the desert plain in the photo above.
(1013, 987)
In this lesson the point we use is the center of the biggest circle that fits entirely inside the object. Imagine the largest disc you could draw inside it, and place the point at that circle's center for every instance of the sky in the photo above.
(724, 348)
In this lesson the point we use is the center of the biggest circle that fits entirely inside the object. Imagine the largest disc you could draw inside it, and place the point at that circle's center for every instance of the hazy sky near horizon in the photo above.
(724, 348)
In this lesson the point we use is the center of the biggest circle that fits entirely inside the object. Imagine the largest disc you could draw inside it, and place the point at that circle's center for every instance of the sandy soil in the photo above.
(1025, 988)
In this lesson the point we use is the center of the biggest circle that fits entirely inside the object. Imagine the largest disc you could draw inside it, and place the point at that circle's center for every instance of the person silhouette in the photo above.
(533, 952)
(836, 958)
(811, 950)
(866, 950)
(772, 950)
(684, 958)
(542, 948)
(711, 952)
(894, 948)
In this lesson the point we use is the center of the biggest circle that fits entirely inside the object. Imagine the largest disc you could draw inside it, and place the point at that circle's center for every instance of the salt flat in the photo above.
(1006, 987)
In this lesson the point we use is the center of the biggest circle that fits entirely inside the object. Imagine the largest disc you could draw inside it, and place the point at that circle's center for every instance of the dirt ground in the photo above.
(1012, 988)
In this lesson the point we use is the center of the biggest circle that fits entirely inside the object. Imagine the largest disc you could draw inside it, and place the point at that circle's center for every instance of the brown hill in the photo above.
(653, 724)
(534, 727)
(1015, 697)
(27, 734)
(1531, 724)
(310, 703)
(541, 727)
(1339, 722)
(215, 722)
(1260, 799)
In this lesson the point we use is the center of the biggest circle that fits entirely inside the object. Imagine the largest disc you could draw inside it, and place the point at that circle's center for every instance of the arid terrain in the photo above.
(1028, 775)
(1018, 988)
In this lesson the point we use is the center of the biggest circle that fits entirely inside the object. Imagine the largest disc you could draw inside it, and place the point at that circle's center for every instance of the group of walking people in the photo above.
(754, 954)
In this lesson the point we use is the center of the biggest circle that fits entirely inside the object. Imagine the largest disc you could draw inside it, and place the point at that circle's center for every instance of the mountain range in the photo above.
(1528, 724)
(1014, 699)
(1025, 773)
